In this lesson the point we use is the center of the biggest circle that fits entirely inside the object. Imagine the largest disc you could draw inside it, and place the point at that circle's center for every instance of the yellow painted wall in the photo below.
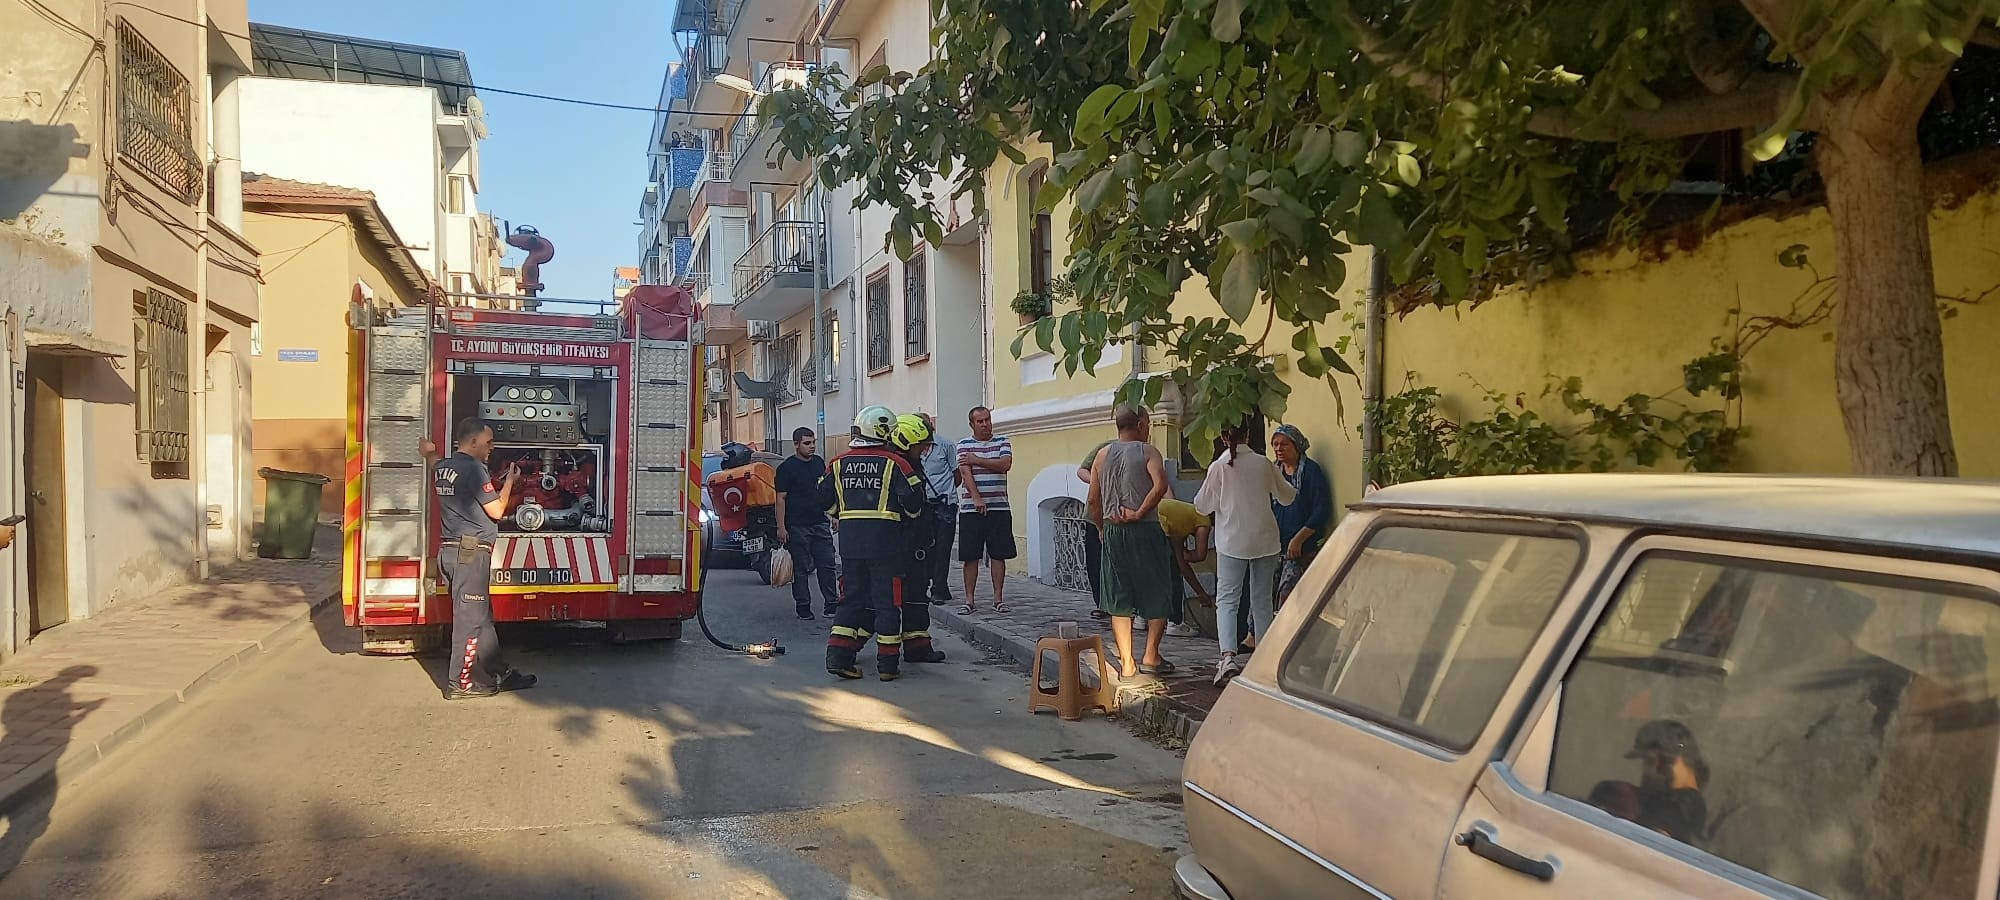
(309, 271)
(1011, 210)
(1626, 325)
(311, 262)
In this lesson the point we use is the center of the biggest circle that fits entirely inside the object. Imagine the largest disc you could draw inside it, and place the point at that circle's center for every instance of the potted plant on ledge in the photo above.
(1030, 306)
(1033, 306)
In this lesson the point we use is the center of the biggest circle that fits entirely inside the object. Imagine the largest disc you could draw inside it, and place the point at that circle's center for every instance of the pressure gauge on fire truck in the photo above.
(514, 393)
(548, 394)
(529, 412)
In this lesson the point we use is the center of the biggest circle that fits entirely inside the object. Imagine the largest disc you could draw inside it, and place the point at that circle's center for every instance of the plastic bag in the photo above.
(781, 567)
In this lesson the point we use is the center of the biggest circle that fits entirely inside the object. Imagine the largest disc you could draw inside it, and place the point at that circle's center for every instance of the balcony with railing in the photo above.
(775, 279)
(755, 141)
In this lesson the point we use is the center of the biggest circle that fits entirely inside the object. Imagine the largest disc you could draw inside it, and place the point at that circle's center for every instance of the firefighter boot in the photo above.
(841, 661)
(917, 646)
(843, 647)
(917, 649)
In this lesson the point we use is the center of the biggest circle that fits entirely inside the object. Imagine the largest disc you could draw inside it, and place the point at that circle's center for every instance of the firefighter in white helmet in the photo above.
(873, 491)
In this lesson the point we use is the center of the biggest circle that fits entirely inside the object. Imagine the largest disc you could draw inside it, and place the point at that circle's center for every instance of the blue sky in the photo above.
(573, 172)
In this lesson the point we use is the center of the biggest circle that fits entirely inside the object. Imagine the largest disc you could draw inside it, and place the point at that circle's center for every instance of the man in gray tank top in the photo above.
(1128, 481)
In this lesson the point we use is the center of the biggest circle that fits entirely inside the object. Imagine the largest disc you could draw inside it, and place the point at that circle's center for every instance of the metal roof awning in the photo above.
(61, 344)
(283, 52)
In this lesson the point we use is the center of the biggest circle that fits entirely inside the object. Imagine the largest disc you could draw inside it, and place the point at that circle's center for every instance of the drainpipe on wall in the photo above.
(1372, 362)
(198, 331)
(823, 284)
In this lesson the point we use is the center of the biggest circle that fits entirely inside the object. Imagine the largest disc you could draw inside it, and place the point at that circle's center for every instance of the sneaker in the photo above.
(826, 613)
(1182, 629)
(517, 681)
(472, 693)
(849, 672)
(1226, 669)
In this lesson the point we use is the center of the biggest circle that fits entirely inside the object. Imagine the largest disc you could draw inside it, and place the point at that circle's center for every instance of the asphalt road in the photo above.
(662, 770)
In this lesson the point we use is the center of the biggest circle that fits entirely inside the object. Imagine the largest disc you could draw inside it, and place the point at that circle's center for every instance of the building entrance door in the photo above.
(48, 558)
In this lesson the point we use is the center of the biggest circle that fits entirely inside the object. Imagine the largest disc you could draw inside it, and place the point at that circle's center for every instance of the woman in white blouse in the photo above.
(1238, 491)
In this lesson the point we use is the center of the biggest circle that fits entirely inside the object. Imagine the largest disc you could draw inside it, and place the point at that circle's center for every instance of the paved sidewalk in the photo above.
(81, 690)
(1177, 702)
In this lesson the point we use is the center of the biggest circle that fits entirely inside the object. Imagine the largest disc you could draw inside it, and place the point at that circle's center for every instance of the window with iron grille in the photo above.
(160, 343)
(785, 362)
(916, 308)
(878, 322)
(155, 115)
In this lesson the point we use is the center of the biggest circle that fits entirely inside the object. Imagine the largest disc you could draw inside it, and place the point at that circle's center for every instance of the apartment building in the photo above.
(128, 303)
(400, 121)
(810, 316)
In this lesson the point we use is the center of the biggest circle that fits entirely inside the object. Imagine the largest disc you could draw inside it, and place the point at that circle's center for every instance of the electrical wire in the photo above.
(476, 88)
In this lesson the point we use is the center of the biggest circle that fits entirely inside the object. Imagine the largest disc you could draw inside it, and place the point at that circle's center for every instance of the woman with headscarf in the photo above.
(1302, 523)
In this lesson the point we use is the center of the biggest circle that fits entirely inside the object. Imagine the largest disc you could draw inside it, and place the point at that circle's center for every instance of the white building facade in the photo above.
(821, 319)
(392, 119)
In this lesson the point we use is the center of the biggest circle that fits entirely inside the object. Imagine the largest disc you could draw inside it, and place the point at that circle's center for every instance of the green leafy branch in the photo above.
(1422, 440)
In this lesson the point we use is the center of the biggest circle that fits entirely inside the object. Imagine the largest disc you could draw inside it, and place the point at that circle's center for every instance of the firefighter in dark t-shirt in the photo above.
(470, 510)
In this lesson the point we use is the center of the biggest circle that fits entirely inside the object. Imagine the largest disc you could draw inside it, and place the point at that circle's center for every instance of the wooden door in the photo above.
(48, 562)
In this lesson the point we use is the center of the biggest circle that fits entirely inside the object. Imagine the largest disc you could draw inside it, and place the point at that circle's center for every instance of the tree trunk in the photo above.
(1889, 350)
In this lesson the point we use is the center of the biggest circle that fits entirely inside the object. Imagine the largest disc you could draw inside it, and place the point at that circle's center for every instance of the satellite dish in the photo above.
(476, 111)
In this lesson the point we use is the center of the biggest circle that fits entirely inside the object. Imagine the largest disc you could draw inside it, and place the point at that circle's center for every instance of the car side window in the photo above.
(1833, 730)
(1426, 628)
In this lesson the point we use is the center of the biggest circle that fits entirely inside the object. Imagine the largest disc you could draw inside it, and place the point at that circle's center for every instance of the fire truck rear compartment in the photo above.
(555, 431)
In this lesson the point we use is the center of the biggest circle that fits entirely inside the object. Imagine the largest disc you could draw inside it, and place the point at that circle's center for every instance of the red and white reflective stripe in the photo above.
(588, 556)
(601, 548)
(465, 668)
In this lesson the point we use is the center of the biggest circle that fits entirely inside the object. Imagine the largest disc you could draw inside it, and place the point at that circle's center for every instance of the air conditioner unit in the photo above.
(718, 382)
(761, 330)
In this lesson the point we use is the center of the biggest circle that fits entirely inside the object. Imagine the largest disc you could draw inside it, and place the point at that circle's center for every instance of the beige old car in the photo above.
(1620, 686)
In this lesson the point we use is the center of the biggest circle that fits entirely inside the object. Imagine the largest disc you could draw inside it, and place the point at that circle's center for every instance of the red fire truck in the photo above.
(600, 411)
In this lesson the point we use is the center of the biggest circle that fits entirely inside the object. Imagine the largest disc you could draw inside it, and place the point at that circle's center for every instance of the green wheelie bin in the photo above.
(291, 513)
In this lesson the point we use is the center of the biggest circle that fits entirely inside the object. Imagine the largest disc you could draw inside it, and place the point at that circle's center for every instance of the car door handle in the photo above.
(1480, 840)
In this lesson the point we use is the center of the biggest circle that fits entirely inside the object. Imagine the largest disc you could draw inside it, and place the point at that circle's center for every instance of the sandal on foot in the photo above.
(1098, 614)
(965, 609)
(999, 607)
(1163, 668)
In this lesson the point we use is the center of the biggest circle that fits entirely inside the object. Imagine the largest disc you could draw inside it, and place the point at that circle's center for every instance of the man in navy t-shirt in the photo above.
(803, 526)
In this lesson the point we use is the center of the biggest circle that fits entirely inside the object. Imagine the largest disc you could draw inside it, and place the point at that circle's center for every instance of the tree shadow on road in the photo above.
(232, 846)
(872, 781)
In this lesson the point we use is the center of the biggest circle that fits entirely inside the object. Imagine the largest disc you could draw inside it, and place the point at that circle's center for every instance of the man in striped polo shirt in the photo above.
(985, 521)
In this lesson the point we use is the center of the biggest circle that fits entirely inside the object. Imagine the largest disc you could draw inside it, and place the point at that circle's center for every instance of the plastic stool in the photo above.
(1071, 698)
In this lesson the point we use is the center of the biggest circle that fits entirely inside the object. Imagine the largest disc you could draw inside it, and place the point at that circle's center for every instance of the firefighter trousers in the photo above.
(475, 648)
(871, 597)
(917, 612)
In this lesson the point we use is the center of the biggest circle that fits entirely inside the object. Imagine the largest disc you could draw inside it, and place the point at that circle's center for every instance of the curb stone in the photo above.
(32, 782)
(1141, 704)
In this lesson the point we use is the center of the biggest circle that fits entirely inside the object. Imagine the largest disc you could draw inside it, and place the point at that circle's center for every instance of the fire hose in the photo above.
(765, 650)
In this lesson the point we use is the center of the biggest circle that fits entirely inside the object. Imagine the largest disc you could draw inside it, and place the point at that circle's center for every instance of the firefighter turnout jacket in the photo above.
(873, 491)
